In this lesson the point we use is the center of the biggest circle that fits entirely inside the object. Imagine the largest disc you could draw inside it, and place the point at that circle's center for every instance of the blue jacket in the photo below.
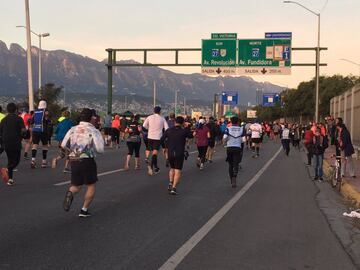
(62, 128)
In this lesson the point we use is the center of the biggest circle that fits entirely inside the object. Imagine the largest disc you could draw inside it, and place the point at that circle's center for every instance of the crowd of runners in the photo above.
(169, 136)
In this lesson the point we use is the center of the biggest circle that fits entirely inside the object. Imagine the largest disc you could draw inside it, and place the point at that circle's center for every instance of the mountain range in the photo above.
(81, 74)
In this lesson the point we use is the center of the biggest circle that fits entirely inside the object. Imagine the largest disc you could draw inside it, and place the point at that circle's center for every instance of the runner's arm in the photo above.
(166, 126)
(146, 123)
(98, 142)
(66, 139)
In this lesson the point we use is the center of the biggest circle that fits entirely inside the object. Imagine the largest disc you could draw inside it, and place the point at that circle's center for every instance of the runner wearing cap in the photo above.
(40, 133)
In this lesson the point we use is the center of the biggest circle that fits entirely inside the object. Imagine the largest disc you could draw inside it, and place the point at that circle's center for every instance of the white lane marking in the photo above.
(100, 174)
(193, 152)
(185, 249)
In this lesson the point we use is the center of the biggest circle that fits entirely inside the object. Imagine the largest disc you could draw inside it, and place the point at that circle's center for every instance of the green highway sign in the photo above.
(219, 56)
(264, 57)
(223, 36)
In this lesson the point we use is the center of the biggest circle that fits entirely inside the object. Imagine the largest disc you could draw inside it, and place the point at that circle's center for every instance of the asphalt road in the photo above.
(276, 224)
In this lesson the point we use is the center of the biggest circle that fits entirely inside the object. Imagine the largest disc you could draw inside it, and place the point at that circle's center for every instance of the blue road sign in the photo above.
(270, 99)
(229, 98)
(278, 35)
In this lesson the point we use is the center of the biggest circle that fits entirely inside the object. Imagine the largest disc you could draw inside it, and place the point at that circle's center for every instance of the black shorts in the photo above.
(211, 143)
(40, 136)
(154, 144)
(256, 140)
(146, 142)
(134, 147)
(107, 131)
(27, 135)
(83, 172)
(176, 162)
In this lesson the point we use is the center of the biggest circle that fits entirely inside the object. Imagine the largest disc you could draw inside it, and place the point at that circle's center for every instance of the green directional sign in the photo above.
(219, 56)
(264, 57)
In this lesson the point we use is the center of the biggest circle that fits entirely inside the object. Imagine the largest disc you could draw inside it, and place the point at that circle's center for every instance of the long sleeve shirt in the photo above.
(84, 141)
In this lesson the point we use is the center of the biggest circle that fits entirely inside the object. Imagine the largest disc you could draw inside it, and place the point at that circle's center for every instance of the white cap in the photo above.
(202, 121)
(42, 104)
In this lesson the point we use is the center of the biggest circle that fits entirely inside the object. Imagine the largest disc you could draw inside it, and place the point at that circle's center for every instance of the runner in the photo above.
(171, 123)
(107, 128)
(133, 142)
(115, 132)
(64, 125)
(83, 141)
(155, 124)
(26, 116)
(285, 139)
(213, 133)
(176, 139)
(40, 134)
(256, 133)
(248, 135)
(202, 135)
(2, 116)
(276, 129)
(233, 137)
(12, 129)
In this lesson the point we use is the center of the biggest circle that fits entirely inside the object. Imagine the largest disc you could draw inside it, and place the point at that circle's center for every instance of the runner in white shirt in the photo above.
(256, 133)
(156, 125)
(285, 139)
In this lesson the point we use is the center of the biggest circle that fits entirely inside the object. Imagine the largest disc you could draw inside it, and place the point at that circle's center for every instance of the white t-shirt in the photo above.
(256, 130)
(155, 124)
(285, 134)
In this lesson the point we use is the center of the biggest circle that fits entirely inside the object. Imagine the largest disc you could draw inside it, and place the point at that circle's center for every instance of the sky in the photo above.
(88, 27)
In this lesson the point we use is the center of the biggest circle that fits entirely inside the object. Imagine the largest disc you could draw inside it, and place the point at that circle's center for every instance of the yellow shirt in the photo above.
(2, 116)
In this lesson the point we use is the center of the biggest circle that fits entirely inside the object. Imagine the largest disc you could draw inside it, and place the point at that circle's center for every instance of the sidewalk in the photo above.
(351, 186)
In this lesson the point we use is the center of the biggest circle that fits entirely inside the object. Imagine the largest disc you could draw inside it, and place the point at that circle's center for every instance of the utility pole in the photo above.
(154, 94)
(184, 105)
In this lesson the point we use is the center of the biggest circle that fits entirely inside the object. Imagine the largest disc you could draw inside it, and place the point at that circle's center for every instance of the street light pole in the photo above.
(352, 62)
(317, 68)
(40, 51)
(176, 97)
(28, 54)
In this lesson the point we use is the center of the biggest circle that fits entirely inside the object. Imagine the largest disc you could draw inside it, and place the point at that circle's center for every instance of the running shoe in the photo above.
(66, 170)
(201, 166)
(10, 182)
(53, 163)
(84, 214)
(156, 171)
(33, 165)
(167, 164)
(173, 191)
(170, 186)
(26, 157)
(69, 197)
(146, 160)
(4, 175)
